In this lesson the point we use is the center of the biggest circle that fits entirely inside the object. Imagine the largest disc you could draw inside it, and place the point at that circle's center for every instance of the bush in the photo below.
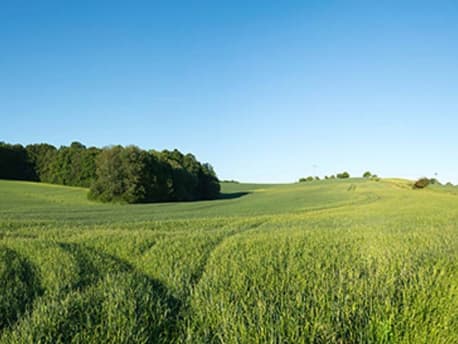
(343, 175)
(367, 174)
(308, 179)
(421, 183)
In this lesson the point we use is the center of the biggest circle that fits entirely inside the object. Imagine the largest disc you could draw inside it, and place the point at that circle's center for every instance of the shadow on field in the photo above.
(107, 279)
(19, 284)
(93, 265)
(233, 195)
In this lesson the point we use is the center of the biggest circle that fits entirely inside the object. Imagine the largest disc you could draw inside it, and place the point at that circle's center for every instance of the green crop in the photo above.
(335, 261)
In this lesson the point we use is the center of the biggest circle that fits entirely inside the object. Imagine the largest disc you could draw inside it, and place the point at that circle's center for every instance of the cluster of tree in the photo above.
(368, 174)
(308, 179)
(73, 165)
(343, 175)
(126, 174)
(132, 175)
(371, 176)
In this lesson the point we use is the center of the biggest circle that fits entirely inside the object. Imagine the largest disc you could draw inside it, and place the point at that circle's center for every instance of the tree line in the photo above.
(343, 175)
(125, 174)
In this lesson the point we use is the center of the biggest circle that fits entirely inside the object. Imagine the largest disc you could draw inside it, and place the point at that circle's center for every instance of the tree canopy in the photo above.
(15, 163)
(343, 175)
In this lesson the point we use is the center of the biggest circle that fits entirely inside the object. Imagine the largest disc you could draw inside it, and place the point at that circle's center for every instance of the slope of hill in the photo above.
(326, 261)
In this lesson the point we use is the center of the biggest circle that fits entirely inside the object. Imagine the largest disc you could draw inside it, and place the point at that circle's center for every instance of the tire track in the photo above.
(197, 275)
(19, 286)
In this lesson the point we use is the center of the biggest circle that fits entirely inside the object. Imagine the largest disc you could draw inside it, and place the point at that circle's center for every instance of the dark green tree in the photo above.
(122, 175)
(209, 187)
(343, 175)
(74, 165)
(15, 164)
(42, 156)
(183, 174)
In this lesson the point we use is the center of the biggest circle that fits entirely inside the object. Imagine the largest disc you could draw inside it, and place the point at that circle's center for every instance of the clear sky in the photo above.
(266, 91)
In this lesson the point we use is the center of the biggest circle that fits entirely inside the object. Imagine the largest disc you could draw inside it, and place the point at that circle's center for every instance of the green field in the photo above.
(336, 261)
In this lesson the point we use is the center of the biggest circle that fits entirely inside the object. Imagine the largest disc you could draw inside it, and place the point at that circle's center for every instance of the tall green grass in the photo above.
(352, 261)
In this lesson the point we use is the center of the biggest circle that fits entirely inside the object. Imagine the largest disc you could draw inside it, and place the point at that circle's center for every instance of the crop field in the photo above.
(336, 261)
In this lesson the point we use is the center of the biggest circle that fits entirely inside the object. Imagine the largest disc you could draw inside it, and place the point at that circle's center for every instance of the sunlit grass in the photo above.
(350, 261)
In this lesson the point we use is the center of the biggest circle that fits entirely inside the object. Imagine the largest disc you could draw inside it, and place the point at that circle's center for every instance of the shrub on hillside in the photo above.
(308, 179)
(434, 181)
(367, 174)
(343, 175)
(421, 183)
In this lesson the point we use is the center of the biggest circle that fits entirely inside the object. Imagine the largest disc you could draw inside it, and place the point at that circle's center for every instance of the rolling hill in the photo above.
(335, 261)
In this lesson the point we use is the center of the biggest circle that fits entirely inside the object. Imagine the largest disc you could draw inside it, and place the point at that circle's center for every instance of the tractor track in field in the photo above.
(195, 279)
(93, 267)
(25, 289)
(197, 276)
(86, 259)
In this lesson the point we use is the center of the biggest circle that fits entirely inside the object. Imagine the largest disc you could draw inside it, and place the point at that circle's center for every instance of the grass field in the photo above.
(338, 261)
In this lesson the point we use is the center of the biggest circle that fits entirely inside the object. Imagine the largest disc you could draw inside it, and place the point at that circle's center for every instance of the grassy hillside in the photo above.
(51, 204)
(340, 261)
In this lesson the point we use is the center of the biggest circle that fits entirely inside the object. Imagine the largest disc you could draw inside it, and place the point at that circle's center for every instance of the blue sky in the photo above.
(264, 91)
